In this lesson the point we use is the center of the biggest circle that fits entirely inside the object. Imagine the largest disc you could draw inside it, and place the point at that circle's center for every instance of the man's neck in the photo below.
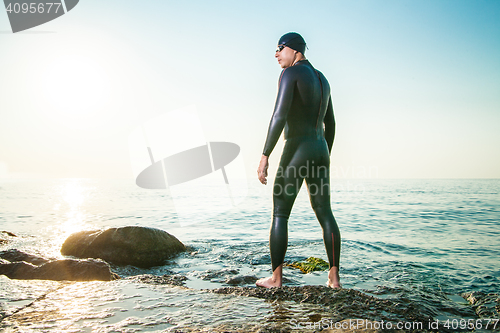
(299, 59)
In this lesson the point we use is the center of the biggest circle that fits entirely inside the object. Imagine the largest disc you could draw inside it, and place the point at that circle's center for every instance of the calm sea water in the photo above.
(425, 240)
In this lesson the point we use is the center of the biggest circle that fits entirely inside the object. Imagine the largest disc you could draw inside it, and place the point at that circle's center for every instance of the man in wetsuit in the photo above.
(304, 110)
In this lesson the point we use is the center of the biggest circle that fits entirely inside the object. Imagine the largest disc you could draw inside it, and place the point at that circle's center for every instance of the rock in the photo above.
(218, 275)
(473, 297)
(59, 270)
(18, 270)
(341, 303)
(485, 305)
(241, 280)
(176, 280)
(4, 240)
(137, 246)
(14, 255)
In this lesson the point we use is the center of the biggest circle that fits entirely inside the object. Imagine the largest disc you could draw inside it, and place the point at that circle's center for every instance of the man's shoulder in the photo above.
(293, 72)
(323, 78)
(320, 74)
(289, 74)
(290, 70)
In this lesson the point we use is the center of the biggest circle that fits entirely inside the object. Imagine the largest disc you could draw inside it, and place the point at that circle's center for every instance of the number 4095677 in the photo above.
(33, 7)
(471, 324)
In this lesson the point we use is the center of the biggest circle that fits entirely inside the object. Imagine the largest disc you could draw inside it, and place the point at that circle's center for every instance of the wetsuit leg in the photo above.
(318, 185)
(286, 187)
(303, 159)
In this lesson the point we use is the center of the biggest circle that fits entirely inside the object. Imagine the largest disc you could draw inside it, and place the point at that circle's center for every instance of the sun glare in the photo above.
(73, 197)
(75, 85)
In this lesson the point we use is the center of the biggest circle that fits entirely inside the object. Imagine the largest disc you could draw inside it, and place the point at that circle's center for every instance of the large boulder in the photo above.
(59, 270)
(137, 246)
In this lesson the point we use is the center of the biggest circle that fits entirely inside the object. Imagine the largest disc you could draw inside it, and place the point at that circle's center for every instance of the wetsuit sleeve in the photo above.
(329, 122)
(281, 109)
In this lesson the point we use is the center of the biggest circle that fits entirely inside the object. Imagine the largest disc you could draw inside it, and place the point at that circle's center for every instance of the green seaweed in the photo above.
(310, 264)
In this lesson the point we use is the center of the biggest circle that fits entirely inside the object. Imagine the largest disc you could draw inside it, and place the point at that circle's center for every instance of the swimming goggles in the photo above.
(280, 48)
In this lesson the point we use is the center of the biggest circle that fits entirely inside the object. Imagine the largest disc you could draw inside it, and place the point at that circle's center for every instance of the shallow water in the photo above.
(423, 240)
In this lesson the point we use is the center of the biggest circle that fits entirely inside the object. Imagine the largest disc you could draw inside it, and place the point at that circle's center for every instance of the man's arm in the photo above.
(329, 122)
(281, 109)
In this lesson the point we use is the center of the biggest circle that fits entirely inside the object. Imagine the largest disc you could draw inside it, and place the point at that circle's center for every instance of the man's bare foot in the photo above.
(334, 278)
(268, 282)
(333, 285)
(272, 281)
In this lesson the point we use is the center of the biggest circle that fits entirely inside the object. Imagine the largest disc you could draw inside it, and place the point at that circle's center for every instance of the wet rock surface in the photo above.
(341, 303)
(5, 237)
(218, 275)
(14, 255)
(137, 246)
(176, 280)
(485, 305)
(8, 233)
(59, 270)
(241, 280)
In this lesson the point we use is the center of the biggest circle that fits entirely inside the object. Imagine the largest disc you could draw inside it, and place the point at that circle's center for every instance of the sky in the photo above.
(415, 83)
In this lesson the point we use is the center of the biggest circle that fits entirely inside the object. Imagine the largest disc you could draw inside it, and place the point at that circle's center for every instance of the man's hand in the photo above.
(262, 170)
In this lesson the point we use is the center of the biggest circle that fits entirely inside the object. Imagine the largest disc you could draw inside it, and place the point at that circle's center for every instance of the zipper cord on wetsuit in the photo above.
(321, 101)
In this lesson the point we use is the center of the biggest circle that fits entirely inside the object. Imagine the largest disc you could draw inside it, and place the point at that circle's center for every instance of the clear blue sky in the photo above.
(415, 84)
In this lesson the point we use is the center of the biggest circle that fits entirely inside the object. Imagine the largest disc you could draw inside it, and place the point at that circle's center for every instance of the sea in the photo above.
(424, 240)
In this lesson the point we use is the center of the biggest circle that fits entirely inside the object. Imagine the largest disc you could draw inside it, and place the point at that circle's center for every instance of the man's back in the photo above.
(309, 100)
(302, 106)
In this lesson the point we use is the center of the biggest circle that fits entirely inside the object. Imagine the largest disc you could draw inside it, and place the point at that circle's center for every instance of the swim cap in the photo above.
(294, 41)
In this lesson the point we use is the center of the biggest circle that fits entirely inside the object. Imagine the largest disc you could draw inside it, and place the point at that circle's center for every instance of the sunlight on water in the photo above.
(73, 194)
(71, 211)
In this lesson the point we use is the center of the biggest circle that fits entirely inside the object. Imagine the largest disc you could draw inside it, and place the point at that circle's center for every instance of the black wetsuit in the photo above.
(304, 109)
